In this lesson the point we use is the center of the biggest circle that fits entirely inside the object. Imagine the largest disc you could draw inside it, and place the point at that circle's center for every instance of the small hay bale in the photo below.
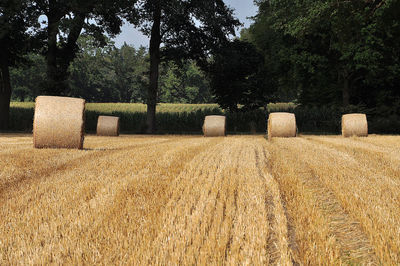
(108, 126)
(281, 125)
(214, 126)
(354, 125)
(59, 122)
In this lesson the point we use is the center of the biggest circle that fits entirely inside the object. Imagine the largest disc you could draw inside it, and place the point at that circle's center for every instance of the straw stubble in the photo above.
(192, 200)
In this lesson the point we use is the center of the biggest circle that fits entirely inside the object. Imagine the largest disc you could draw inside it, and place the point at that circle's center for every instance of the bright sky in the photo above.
(130, 35)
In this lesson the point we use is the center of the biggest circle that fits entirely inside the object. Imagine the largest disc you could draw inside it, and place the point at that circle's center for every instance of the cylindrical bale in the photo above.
(214, 126)
(59, 122)
(282, 125)
(108, 126)
(354, 125)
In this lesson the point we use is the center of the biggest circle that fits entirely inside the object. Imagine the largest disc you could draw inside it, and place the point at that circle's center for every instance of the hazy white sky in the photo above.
(130, 35)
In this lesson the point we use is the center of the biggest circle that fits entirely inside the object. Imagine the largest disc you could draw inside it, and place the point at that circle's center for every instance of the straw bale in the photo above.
(281, 125)
(108, 126)
(59, 122)
(354, 125)
(214, 126)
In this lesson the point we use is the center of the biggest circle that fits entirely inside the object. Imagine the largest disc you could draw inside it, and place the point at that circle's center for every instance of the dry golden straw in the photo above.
(281, 125)
(108, 126)
(354, 125)
(172, 200)
(59, 122)
(214, 126)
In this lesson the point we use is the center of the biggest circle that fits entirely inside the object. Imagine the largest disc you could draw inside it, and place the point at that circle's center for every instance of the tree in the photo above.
(130, 66)
(28, 78)
(65, 21)
(108, 74)
(236, 78)
(330, 52)
(16, 17)
(188, 29)
(183, 84)
(91, 73)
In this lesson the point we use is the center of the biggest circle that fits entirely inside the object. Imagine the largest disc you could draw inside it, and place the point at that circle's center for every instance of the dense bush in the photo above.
(327, 119)
(189, 120)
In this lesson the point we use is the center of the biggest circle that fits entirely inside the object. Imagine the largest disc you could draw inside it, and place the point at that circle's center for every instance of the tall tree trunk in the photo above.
(5, 93)
(58, 59)
(54, 84)
(155, 41)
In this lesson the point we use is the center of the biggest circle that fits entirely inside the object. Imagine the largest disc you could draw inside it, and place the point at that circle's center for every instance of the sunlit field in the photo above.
(193, 200)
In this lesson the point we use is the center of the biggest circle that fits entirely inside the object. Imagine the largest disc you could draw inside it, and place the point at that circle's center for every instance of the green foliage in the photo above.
(188, 29)
(329, 52)
(16, 17)
(66, 19)
(188, 118)
(171, 118)
(27, 79)
(18, 23)
(184, 83)
(236, 78)
(110, 74)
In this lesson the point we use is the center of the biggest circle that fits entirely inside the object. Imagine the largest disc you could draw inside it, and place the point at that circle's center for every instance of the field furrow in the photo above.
(365, 191)
(365, 195)
(56, 216)
(382, 160)
(20, 167)
(311, 200)
(278, 219)
(217, 213)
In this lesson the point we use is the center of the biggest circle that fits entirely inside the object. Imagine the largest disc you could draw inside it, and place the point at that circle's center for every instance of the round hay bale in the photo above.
(214, 126)
(108, 126)
(281, 125)
(59, 122)
(354, 125)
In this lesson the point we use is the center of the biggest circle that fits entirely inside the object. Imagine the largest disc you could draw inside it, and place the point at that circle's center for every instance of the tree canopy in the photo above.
(18, 22)
(236, 77)
(65, 21)
(331, 52)
(187, 29)
(312, 52)
(111, 74)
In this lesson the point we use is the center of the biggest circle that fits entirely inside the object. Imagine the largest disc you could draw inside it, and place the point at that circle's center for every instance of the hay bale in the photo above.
(281, 125)
(214, 126)
(59, 122)
(354, 125)
(108, 126)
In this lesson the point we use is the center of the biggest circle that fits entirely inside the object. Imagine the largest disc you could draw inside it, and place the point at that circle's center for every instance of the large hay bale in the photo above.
(59, 122)
(354, 125)
(214, 126)
(108, 126)
(281, 125)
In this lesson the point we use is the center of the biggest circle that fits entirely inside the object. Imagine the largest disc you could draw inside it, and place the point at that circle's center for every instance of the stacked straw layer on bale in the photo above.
(281, 125)
(108, 126)
(214, 126)
(59, 122)
(354, 125)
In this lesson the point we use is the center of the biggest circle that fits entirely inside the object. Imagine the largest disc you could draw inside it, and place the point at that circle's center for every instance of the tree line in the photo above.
(312, 52)
(331, 52)
(111, 74)
(184, 29)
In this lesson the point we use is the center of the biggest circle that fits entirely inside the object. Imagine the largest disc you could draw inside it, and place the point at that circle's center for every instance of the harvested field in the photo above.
(193, 200)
